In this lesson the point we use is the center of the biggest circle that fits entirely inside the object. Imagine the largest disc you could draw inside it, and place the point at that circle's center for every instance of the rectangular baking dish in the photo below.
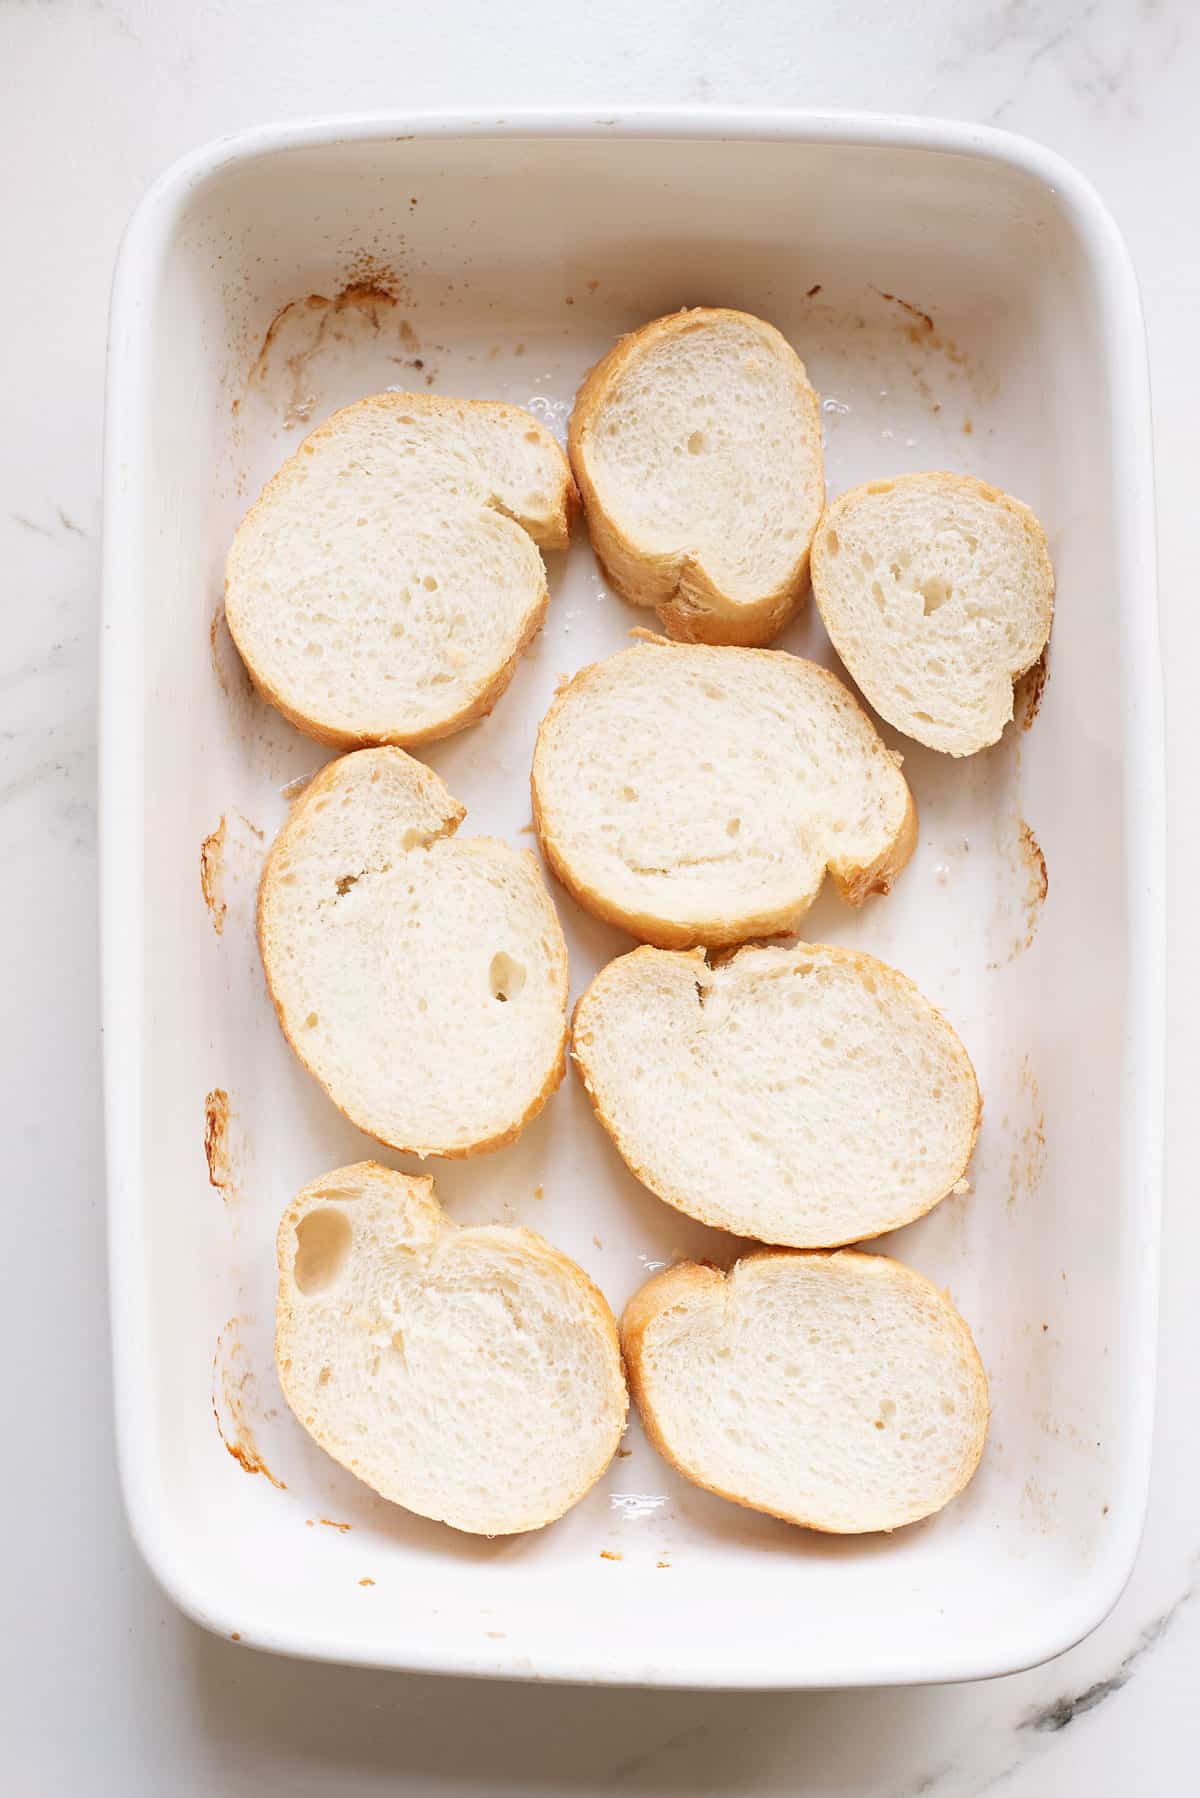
(962, 301)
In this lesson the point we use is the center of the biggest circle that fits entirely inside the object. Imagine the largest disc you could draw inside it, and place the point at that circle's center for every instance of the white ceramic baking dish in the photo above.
(963, 301)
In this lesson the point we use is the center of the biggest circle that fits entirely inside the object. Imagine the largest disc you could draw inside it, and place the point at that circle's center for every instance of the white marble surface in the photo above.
(105, 1689)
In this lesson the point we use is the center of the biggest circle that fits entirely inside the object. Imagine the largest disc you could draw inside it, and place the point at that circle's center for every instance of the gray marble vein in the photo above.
(1050, 1718)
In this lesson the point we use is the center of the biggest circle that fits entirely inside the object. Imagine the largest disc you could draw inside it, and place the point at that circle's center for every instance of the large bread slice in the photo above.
(696, 444)
(697, 795)
(937, 591)
(805, 1095)
(384, 584)
(841, 1392)
(471, 1375)
(421, 979)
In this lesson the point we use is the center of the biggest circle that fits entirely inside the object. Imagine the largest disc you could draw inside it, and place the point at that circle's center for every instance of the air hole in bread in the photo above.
(697, 443)
(507, 977)
(934, 593)
(733, 826)
(324, 1377)
(531, 437)
(323, 1239)
(311, 1021)
(429, 584)
(833, 543)
(877, 594)
(628, 792)
(345, 882)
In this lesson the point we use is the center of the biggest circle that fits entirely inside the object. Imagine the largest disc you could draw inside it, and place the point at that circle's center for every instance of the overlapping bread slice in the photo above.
(805, 1095)
(422, 978)
(937, 591)
(383, 585)
(470, 1375)
(696, 444)
(839, 1391)
(697, 795)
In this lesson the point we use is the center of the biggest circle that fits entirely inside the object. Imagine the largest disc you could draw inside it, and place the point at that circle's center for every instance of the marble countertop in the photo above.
(106, 1687)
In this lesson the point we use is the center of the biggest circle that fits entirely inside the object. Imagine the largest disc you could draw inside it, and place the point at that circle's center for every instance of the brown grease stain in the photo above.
(926, 324)
(1030, 689)
(212, 875)
(1028, 1161)
(213, 628)
(237, 1390)
(216, 1142)
(924, 333)
(609, 1554)
(1031, 865)
(371, 292)
(1037, 880)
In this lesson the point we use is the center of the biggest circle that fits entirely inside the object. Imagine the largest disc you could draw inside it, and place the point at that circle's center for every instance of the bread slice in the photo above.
(470, 1375)
(384, 584)
(696, 444)
(842, 1392)
(421, 979)
(937, 591)
(803, 1095)
(697, 795)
